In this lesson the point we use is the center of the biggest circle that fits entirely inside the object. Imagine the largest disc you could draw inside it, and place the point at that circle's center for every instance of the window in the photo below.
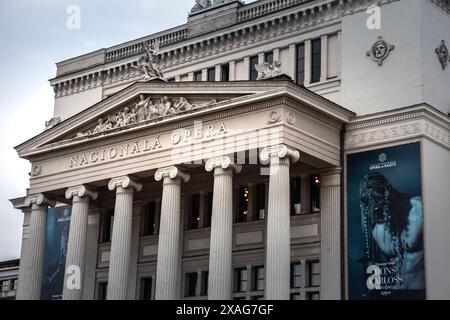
(295, 296)
(146, 289)
(296, 205)
(258, 278)
(316, 59)
(149, 219)
(300, 78)
(296, 275)
(212, 74)
(107, 226)
(209, 208)
(243, 204)
(5, 285)
(313, 296)
(253, 72)
(204, 284)
(198, 76)
(260, 205)
(190, 284)
(171, 80)
(268, 57)
(225, 72)
(258, 298)
(241, 280)
(102, 289)
(16, 283)
(315, 193)
(194, 220)
(314, 274)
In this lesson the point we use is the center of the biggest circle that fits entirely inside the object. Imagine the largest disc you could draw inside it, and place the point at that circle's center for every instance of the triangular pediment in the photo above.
(138, 106)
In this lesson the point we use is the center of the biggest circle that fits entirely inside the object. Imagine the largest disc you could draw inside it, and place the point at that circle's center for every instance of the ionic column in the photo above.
(121, 237)
(330, 230)
(76, 249)
(167, 268)
(278, 247)
(220, 279)
(31, 266)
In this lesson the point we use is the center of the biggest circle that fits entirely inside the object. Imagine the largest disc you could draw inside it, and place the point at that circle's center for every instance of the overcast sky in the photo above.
(34, 36)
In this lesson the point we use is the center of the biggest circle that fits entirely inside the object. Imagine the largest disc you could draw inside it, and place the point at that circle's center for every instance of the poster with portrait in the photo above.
(385, 224)
(56, 239)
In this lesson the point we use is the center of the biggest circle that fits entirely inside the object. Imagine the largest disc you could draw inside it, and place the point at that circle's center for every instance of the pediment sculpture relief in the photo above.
(143, 111)
(267, 70)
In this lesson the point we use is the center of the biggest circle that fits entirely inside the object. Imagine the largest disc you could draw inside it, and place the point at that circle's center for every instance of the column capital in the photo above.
(81, 191)
(223, 163)
(172, 173)
(280, 151)
(39, 199)
(330, 177)
(124, 182)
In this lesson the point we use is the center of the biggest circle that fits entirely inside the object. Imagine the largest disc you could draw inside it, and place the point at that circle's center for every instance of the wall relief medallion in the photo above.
(290, 118)
(35, 170)
(274, 117)
(380, 50)
(443, 55)
(267, 70)
(143, 111)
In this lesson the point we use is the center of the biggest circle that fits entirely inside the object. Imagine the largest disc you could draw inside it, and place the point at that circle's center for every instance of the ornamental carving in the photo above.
(267, 70)
(52, 122)
(443, 55)
(81, 191)
(279, 151)
(146, 109)
(224, 162)
(172, 173)
(274, 117)
(380, 50)
(124, 182)
(39, 200)
(147, 64)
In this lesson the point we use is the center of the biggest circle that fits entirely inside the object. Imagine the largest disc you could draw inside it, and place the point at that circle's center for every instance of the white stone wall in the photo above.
(435, 28)
(436, 186)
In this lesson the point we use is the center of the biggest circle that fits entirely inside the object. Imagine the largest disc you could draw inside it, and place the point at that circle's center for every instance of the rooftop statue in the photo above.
(201, 5)
(205, 4)
(267, 70)
(147, 63)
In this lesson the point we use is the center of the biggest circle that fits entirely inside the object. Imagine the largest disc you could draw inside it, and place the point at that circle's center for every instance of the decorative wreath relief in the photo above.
(380, 50)
(443, 54)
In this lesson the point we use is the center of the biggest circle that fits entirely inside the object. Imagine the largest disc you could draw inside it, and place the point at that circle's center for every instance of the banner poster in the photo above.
(385, 224)
(56, 238)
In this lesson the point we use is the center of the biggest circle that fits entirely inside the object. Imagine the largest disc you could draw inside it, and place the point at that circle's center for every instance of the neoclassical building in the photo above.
(282, 149)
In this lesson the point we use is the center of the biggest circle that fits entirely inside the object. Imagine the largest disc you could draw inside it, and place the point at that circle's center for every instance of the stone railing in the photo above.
(124, 51)
(260, 8)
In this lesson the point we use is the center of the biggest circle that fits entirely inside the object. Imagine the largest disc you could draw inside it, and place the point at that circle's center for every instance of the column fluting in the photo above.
(31, 267)
(119, 260)
(167, 269)
(220, 278)
(278, 246)
(76, 249)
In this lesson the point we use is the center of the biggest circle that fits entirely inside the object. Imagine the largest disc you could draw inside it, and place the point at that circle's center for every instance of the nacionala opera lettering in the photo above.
(147, 145)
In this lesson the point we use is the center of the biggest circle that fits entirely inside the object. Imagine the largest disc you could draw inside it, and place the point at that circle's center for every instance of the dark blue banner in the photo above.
(56, 238)
(385, 224)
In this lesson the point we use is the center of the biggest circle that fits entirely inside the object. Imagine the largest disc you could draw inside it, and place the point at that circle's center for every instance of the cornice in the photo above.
(405, 123)
(256, 23)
